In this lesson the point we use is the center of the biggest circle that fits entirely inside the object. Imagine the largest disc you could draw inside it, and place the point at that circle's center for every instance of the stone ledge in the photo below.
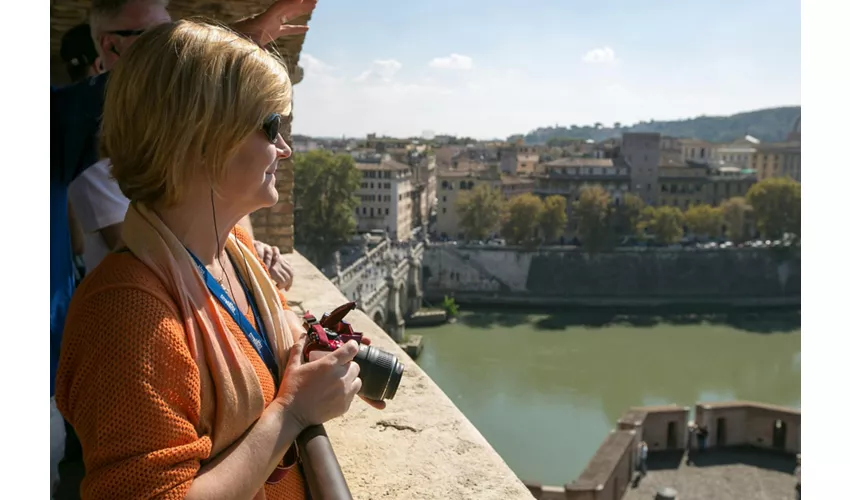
(421, 447)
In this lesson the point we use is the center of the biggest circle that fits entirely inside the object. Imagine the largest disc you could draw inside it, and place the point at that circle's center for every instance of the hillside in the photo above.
(768, 125)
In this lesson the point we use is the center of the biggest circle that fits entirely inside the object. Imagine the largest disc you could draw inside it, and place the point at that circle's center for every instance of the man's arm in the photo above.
(99, 204)
(77, 236)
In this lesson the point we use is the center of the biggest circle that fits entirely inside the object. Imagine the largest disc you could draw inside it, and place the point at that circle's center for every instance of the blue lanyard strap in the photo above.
(255, 338)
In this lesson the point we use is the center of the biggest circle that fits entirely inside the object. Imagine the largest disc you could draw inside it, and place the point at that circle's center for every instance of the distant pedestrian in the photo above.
(691, 448)
(702, 436)
(797, 474)
(643, 451)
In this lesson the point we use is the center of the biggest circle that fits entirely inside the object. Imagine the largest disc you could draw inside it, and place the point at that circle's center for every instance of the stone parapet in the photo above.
(421, 446)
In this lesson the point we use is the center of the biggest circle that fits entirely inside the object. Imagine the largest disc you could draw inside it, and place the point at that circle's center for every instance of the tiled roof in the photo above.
(580, 162)
(385, 165)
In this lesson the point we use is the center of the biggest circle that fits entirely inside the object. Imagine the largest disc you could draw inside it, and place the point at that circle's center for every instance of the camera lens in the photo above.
(380, 372)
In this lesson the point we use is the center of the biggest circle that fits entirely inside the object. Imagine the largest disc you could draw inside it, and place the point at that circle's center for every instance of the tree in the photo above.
(776, 206)
(522, 224)
(704, 220)
(324, 201)
(665, 223)
(736, 211)
(554, 217)
(591, 214)
(480, 211)
(625, 217)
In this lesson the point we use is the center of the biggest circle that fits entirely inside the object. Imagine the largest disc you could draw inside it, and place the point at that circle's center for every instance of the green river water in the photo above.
(545, 389)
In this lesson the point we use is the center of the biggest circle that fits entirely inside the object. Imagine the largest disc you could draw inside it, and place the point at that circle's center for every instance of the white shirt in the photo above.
(98, 203)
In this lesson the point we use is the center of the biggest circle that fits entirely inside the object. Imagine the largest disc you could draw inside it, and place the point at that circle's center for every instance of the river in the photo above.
(545, 389)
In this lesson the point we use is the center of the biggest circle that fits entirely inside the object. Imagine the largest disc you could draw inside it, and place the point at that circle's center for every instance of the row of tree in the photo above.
(773, 205)
(324, 212)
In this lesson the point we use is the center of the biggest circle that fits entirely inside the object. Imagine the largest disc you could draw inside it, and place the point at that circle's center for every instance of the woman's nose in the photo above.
(283, 149)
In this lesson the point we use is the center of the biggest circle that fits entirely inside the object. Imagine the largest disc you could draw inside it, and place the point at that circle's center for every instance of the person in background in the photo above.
(115, 25)
(181, 367)
(75, 112)
(702, 436)
(797, 474)
(79, 54)
(81, 61)
(643, 451)
(66, 235)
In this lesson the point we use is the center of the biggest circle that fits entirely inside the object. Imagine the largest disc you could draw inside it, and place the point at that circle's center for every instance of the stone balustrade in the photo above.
(421, 446)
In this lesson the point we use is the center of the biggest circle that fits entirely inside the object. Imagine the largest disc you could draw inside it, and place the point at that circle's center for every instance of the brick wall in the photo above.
(273, 225)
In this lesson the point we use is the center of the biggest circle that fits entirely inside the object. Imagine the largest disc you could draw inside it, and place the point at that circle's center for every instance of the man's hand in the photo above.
(280, 270)
(270, 25)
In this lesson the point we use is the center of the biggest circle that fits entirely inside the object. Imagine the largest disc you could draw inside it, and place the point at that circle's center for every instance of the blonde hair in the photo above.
(181, 101)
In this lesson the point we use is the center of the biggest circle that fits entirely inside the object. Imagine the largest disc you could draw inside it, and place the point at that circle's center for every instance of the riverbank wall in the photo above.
(745, 277)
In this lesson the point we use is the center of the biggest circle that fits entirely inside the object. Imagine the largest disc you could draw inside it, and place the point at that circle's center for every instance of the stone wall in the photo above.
(421, 446)
(750, 424)
(564, 276)
(610, 470)
(273, 225)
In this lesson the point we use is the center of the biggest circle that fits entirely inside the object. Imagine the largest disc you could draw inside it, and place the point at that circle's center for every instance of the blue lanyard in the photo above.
(255, 338)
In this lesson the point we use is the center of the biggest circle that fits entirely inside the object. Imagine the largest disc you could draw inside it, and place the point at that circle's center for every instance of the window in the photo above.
(444, 198)
(444, 209)
(371, 185)
(386, 211)
(445, 184)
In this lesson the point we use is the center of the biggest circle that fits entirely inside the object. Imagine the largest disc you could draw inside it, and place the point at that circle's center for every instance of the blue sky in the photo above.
(494, 68)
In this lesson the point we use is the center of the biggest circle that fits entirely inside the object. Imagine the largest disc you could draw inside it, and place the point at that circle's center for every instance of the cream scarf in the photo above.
(231, 395)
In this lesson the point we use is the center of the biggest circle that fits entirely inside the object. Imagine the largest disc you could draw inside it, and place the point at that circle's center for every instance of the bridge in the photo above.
(386, 283)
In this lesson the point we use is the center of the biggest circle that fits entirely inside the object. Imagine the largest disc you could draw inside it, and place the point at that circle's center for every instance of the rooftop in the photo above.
(728, 473)
(514, 180)
(385, 165)
(581, 162)
(463, 173)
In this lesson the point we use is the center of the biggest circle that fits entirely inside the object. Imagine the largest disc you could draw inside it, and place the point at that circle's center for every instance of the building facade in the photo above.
(781, 159)
(642, 151)
(682, 183)
(386, 197)
(568, 176)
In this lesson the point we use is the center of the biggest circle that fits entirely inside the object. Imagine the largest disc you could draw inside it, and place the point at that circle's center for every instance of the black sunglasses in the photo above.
(126, 33)
(271, 127)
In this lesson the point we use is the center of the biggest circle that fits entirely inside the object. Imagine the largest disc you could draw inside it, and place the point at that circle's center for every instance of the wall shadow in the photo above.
(762, 322)
(664, 460)
(488, 319)
(747, 455)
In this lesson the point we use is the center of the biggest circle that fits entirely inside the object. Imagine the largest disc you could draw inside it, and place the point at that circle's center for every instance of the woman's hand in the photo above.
(270, 25)
(320, 390)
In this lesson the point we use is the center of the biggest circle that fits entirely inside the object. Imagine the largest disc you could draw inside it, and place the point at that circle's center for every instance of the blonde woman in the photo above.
(181, 365)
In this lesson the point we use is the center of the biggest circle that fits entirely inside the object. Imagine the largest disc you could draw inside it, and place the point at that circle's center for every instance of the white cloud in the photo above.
(382, 70)
(602, 55)
(454, 61)
(312, 65)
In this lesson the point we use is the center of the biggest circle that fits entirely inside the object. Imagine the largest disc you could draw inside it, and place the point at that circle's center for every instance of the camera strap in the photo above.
(257, 339)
